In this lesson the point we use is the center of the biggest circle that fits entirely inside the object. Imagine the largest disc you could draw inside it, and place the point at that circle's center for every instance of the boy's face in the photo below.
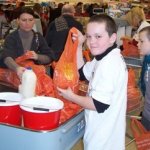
(144, 43)
(98, 40)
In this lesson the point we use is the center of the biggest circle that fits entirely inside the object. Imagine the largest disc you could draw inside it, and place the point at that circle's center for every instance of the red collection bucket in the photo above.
(41, 113)
(10, 111)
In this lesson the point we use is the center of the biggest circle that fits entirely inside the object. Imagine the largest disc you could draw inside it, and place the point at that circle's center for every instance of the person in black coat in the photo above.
(57, 32)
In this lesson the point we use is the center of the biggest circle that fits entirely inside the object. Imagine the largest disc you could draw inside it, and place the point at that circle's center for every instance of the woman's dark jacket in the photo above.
(13, 46)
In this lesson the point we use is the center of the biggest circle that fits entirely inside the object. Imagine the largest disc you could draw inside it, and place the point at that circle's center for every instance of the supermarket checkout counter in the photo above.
(62, 138)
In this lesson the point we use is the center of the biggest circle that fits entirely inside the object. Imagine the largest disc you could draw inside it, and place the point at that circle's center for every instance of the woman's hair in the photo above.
(138, 12)
(110, 24)
(129, 18)
(26, 10)
(147, 30)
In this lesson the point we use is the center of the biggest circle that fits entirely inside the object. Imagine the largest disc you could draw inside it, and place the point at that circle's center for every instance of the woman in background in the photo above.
(22, 40)
(137, 20)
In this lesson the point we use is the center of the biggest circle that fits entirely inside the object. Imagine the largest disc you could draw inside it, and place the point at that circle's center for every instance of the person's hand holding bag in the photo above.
(32, 55)
(81, 39)
(66, 93)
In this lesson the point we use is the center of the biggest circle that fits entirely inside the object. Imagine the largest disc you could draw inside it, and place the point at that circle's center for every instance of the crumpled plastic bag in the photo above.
(44, 85)
(66, 72)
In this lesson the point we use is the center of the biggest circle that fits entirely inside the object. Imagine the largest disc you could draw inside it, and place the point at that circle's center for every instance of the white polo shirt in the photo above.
(107, 84)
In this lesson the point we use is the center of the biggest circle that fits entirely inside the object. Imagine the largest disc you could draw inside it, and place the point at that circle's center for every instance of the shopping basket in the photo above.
(141, 135)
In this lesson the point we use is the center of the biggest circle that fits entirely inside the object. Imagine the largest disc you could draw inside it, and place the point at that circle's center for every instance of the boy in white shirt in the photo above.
(105, 103)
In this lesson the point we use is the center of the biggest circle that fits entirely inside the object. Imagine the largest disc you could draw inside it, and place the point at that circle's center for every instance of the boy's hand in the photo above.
(65, 93)
(80, 37)
(80, 60)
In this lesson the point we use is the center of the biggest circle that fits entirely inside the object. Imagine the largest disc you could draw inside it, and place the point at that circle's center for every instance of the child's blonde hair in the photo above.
(147, 30)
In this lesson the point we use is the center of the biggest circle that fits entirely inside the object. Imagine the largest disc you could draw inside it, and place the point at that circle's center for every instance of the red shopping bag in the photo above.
(142, 136)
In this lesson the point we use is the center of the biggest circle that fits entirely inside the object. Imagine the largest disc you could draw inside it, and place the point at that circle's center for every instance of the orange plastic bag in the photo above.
(86, 54)
(133, 93)
(44, 84)
(131, 78)
(9, 77)
(142, 136)
(129, 49)
(66, 72)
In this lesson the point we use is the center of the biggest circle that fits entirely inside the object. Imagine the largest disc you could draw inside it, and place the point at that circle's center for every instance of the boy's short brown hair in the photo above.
(111, 26)
(147, 30)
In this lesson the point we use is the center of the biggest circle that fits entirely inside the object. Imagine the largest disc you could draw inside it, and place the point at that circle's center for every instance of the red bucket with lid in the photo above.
(41, 113)
(10, 111)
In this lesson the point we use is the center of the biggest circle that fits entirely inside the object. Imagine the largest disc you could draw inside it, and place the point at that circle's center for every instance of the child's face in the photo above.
(98, 40)
(144, 43)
